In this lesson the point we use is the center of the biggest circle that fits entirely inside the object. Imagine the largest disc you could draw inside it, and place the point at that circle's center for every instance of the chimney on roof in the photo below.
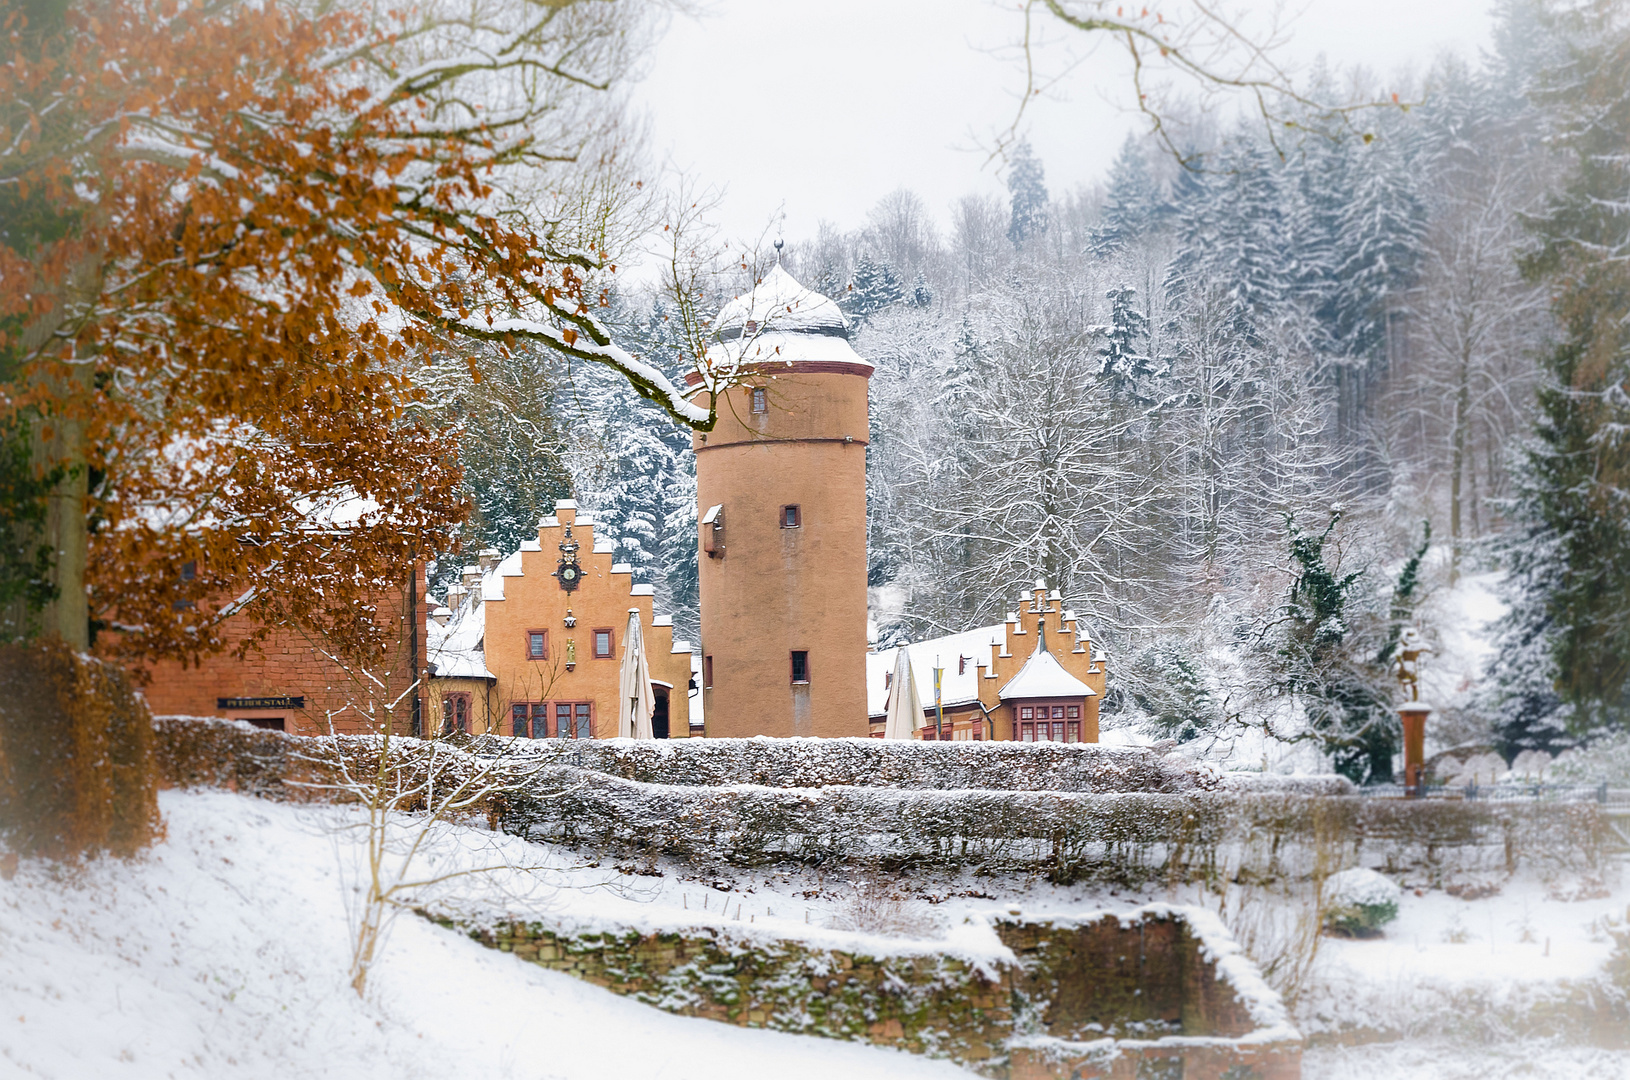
(455, 597)
(441, 615)
(489, 558)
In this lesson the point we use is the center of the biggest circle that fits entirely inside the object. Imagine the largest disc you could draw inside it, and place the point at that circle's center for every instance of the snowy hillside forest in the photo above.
(1247, 416)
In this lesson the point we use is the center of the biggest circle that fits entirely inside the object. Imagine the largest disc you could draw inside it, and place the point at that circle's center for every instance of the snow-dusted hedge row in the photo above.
(879, 763)
(1190, 826)
(1130, 837)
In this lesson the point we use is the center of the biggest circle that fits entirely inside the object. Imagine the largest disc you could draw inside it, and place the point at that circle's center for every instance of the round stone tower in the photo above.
(781, 493)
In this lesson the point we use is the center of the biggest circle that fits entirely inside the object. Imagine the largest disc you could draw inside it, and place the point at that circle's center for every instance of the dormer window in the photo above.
(760, 400)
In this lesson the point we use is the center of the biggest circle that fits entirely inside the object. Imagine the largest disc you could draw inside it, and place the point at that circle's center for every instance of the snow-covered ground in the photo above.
(223, 953)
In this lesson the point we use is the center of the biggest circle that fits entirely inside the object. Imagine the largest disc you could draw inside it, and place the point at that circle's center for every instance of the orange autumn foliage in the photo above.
(263, 236)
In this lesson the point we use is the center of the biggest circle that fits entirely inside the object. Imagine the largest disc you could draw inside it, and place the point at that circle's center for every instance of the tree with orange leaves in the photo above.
(232, 234)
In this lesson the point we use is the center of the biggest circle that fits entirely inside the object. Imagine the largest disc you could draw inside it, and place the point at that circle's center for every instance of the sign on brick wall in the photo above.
(296, 702)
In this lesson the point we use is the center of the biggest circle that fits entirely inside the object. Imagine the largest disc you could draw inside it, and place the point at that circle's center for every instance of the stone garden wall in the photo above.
(1107, 995)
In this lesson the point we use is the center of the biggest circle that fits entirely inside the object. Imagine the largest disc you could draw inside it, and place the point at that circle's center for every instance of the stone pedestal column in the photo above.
(1413, 715)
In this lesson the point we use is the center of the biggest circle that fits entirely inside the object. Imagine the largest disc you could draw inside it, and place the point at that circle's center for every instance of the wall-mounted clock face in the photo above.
(569, 573)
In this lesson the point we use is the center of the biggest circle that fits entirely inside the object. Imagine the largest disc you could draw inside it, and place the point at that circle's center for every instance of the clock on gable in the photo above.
(567, 571)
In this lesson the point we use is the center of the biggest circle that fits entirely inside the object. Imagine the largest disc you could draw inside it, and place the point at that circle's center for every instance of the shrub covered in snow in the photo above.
(1358, 902)
(943, 813)
(878, 763)
(1605, 759)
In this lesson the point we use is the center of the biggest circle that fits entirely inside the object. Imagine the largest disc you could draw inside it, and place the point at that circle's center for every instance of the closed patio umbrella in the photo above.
(637, 701)
(905, 711)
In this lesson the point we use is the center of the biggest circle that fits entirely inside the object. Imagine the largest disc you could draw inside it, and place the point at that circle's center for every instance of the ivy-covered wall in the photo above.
(1093, 997)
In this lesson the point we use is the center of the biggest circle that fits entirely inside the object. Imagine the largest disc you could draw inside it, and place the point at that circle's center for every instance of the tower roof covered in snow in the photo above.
(780, 324)
(778, 303)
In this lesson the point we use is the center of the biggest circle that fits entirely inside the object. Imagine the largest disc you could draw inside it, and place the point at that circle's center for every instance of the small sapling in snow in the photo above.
(1359, 902)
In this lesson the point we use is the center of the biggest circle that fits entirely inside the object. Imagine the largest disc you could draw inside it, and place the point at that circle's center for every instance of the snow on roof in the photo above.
(772, 347)
(455, 651)
(779, 302)
(1044, 677)
(960, 683)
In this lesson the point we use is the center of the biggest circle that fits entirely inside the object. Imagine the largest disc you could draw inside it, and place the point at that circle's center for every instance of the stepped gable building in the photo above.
(781, 494)
(532, 645)
(1033, 678)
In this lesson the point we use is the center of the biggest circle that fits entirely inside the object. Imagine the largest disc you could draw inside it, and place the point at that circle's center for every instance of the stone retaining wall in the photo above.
(1109, 996)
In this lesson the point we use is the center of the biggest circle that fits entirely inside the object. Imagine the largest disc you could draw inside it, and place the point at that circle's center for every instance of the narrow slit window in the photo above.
(791, 517)
(707, 672)
(800, 667)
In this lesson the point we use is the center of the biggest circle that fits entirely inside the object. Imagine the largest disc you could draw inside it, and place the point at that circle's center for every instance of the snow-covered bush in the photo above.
(1605, 759)
(874, 763)
(1359, 902)
(878, 905)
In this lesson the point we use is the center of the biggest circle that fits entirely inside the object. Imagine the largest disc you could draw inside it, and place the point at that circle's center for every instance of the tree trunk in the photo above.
(1457, 465)
(59, 441)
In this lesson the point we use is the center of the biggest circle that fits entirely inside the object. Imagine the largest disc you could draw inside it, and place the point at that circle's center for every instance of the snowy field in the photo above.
(223, 954)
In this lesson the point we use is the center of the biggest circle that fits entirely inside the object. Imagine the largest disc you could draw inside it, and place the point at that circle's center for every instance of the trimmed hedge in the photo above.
(77, 771)
(875, 763)
(1257, 835)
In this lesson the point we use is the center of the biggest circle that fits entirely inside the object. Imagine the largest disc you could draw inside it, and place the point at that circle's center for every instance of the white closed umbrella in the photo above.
(637, 700)
(905, 711)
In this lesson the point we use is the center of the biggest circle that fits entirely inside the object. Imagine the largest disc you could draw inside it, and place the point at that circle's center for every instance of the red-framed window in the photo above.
(455, 713)
(605, 640)
(791, 517)
(800, 666)
(529, 719)
(551, 719)
(573, 719)
(537, 644)
(1048, 723)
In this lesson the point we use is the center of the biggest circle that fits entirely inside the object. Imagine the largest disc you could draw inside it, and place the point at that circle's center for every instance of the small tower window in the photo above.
(537, 645)
(761, 400)
(602, 644)
(800, 667)
(707, 672)
(790, 517)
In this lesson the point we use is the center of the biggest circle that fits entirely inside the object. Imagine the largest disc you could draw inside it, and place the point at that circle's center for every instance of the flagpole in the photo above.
(939, 705)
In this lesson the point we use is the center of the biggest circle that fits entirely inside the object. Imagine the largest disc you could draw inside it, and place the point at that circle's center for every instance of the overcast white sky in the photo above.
(823, 107)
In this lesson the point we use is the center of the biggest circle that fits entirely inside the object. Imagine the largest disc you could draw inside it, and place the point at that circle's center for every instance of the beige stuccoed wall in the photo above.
(777, 590)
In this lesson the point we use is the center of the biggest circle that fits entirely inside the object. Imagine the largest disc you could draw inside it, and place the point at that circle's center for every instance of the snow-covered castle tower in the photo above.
(781, 490)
